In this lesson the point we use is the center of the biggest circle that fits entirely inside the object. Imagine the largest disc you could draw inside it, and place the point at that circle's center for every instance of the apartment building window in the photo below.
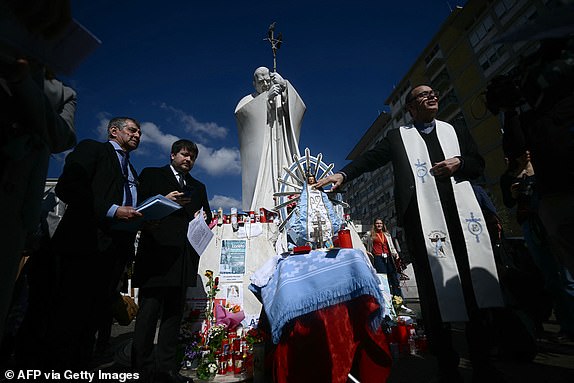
(490, 56)
(405, 88)
(432, 54)
(530, 14)
(448, 99)
(439, 80)
(481, 30)
(503, 6)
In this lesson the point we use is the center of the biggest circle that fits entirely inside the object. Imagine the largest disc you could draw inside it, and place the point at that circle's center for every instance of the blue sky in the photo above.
(180, 67)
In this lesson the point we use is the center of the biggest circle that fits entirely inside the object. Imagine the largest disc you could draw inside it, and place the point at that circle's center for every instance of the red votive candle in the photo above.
(400, 333)
(345, 241)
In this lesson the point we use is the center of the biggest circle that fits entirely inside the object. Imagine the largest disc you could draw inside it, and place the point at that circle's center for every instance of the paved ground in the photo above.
(554, 362)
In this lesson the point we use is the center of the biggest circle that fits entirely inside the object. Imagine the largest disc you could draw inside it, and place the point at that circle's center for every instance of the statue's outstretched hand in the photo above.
(336, 179)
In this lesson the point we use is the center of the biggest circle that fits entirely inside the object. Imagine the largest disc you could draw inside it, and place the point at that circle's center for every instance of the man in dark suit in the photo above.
(166, 264)
(98, 185)
(433, 162)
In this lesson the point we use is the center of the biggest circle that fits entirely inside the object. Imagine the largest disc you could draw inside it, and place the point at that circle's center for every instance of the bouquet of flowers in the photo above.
(211, 336)
(212, 342)
(207, 368)
(192, 344)
(254, 336)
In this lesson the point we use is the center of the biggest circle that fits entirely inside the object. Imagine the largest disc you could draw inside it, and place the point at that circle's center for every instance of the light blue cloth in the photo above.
(305, 283)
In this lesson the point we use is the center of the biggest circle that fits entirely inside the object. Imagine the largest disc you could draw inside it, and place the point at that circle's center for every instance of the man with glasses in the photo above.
(98, 184)
(446, 233)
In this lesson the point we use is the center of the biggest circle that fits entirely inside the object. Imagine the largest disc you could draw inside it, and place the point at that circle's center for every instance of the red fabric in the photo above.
(324, 346)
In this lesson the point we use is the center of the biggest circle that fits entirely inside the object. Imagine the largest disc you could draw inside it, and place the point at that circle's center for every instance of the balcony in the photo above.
(441, 81)
(434, 63)
(448, 104)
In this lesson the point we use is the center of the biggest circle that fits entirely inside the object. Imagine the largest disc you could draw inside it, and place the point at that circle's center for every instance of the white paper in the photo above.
(230, 278)
(250, 230)
(198, 233)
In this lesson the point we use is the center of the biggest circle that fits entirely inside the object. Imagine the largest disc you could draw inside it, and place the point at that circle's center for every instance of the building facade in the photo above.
(459, 61)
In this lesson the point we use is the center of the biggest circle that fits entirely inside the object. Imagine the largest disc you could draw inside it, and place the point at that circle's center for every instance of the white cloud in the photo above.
(201, 129)
(224, 202)
(215, 162)
(219, 161)
(152, 134)
(60, 157)
(102, 128)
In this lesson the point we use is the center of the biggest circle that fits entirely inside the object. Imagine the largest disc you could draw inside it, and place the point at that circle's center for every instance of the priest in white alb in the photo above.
(446, 233)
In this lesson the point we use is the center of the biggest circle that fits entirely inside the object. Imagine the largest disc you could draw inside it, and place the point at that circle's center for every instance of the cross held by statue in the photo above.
(318, 230)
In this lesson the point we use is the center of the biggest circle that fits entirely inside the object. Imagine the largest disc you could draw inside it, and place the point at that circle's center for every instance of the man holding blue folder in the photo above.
(166, 264)
(98, 184)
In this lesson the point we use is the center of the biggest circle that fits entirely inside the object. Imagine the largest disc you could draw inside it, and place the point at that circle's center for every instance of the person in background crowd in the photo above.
(38, 284)
(433, 162)
(383, 254)
(37, 119)
(545, 129)
(91, 243)
(519, 189)
(166, 264)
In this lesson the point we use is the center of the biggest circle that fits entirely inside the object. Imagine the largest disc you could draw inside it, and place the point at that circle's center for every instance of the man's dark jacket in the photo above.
(92, 181)
(165, 257)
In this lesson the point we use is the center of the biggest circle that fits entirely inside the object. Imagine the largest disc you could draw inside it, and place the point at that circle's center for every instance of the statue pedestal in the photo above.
(234, 260)
(240, 258)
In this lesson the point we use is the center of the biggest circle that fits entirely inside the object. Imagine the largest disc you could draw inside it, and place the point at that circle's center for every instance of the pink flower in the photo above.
(229, 319)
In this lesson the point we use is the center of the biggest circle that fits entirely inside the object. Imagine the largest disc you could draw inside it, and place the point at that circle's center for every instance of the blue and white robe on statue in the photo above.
(314, 209)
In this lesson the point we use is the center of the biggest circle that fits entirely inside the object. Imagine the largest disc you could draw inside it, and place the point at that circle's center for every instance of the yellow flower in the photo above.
(209, 273)
(397, 300)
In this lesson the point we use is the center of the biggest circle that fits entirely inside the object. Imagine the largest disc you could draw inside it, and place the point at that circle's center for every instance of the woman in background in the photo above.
(383, 254)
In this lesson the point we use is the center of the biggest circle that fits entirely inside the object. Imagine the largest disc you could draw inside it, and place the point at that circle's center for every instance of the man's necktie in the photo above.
(125, 164)
(181, 179)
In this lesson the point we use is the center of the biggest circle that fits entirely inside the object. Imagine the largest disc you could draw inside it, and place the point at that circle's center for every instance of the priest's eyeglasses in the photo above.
(428, 94)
